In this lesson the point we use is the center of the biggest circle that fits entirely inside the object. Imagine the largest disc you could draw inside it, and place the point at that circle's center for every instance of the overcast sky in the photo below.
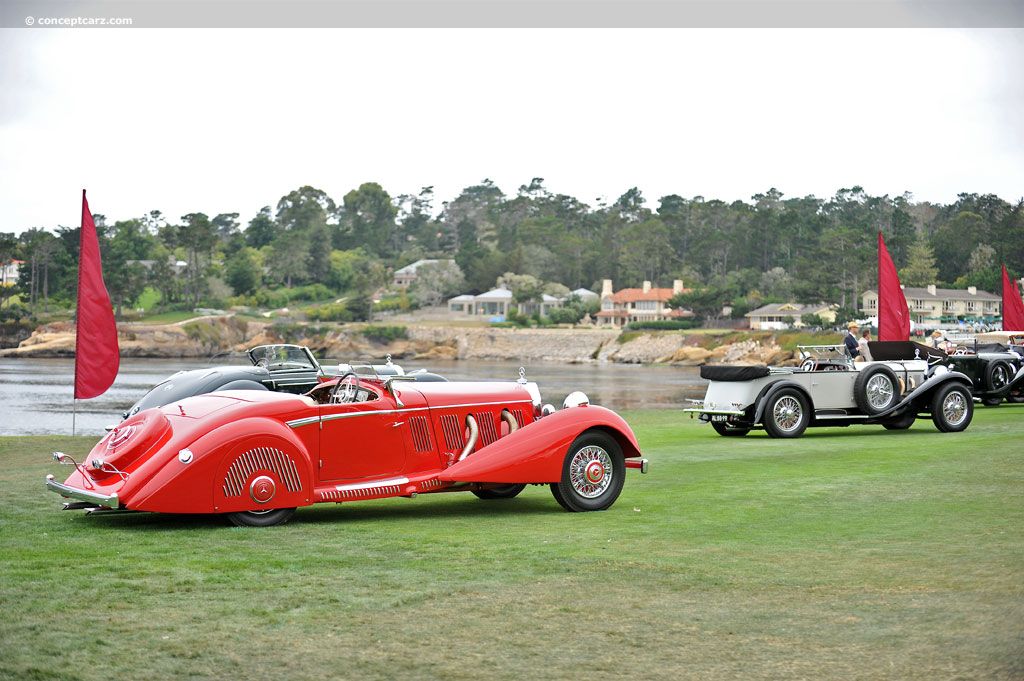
(219, 121)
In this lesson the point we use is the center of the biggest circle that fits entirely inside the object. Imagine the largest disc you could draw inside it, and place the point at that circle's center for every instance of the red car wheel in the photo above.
(592, 474)
(267, 518)
(504, 492)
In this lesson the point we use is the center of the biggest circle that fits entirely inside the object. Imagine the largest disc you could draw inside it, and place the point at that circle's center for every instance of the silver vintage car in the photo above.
(905, 380)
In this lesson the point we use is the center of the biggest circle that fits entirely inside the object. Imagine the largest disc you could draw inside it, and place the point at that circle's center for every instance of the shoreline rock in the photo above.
(203, 337)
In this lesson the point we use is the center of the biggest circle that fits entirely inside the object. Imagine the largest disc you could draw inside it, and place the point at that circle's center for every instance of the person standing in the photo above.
(865, 338)
(852, 346)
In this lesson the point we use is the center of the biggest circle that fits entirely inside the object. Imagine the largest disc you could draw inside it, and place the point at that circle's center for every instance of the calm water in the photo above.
(36, 394)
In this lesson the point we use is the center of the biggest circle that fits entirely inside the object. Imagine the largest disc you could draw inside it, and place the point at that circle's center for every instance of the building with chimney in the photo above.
(645, 304)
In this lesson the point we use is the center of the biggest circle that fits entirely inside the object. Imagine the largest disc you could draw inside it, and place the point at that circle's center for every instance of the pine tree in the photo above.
(920, 269)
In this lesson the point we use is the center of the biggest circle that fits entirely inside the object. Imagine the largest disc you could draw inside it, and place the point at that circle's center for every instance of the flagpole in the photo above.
(78, 314)
(95, 326)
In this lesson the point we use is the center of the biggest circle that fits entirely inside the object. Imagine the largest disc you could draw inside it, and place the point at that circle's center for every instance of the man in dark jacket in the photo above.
(851, 340)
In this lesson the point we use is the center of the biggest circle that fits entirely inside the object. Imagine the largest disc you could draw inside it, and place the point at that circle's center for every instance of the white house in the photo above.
(933, 306)
(461, 304)
(407, 275)
(787, 315)
(584, 294)
(543, 306)
(9, 272)
(495, 303)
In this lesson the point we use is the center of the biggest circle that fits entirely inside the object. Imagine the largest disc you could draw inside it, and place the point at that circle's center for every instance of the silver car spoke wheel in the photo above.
(787, 413)
(880, 391)
(590, 471)
(954, 408)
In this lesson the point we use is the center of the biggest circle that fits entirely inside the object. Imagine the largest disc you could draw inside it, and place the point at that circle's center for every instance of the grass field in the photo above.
(847, 554)
(169, 317)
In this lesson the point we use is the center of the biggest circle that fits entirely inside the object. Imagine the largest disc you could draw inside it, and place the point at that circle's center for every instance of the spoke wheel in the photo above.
(786, 414)
(997, 375)
(592, 473)
(952, 408)
(880, 392)
(875, 389)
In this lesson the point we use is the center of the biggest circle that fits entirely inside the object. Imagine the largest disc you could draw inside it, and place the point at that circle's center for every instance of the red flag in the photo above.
(1013, 306)
(97, 356)
(893, 312)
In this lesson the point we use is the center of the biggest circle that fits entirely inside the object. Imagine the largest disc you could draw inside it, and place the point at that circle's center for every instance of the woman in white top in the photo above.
(865, 337)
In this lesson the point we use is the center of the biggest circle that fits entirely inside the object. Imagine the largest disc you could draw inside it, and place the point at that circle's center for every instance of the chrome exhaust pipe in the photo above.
(474, 433)
(508, 418)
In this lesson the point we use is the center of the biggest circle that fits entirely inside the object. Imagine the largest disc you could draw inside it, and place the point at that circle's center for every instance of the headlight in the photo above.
(575, 399)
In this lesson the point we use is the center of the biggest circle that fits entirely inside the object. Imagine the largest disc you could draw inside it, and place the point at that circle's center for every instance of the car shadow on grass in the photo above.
(829, 432)
(465, 507)
(380, 510)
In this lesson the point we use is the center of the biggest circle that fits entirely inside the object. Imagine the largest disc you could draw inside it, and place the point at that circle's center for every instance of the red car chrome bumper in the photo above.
(637, 463)
(110, 501)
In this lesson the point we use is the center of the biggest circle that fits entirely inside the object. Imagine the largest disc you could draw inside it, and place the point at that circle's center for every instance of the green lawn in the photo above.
(169, 317)
(848, 554)
(149, 298)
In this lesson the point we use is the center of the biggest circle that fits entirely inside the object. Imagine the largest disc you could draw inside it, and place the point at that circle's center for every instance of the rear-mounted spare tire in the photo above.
(876, 389)
(130, 440)
(998, 375)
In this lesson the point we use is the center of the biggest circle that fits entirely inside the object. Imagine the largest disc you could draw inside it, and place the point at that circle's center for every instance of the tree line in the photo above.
(742, 253)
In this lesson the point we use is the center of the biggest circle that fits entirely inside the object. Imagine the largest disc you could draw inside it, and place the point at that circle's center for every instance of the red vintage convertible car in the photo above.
(257, 456)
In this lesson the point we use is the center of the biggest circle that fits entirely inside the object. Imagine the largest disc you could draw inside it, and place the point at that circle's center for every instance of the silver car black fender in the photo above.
(929, 385)
(1014, 383)
(772, 388)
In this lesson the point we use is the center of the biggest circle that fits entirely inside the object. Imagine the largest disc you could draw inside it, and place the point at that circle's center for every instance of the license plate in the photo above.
(719, 417)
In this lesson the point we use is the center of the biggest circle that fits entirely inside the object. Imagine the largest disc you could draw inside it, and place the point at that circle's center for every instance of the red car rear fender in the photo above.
(251, 464)
(535, 453)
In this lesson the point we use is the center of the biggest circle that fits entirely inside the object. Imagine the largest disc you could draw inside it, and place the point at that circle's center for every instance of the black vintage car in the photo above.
(996, 369)
(282, 368)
